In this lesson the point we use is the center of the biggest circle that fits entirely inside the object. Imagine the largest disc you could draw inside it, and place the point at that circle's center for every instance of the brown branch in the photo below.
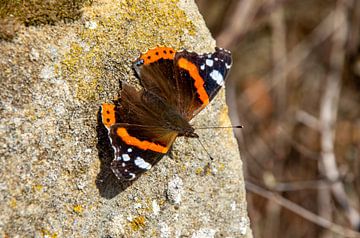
(307, 119)
(238, 24)
(354, 32)
(328, 113)
(279, 52)
(296, 56)
(318, 220)
(301, 185)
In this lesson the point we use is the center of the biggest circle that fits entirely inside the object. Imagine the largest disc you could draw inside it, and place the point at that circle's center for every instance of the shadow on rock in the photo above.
(108, 184)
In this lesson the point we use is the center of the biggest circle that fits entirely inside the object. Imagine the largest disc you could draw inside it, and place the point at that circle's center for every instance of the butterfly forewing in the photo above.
(207, 74)
(155, 69)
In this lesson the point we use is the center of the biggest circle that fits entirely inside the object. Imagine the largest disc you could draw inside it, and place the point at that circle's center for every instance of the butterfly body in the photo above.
(143, 124)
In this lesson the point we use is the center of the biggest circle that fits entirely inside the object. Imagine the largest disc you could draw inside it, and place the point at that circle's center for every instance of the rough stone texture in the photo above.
(55, 179)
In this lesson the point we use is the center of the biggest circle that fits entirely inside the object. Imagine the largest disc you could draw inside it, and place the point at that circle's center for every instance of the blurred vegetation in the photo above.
(14, 13)
(295, 87)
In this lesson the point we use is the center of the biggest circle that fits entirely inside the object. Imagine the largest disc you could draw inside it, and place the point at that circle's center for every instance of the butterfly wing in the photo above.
(185, 80)
(201, 77)
(136, 131)
(135, 155)
(155, 69)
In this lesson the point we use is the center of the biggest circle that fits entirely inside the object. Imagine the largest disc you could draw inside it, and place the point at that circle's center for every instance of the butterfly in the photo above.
(143, 124)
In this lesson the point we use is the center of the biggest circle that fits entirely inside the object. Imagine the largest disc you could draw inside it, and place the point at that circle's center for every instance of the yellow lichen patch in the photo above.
(162, 202)
(137, 223)
(207, 169)
(38, 187)
(87, 90)
(12, 203)
(48, 234)
(166, 16)
(122, 29)
(83, 69)
(183, 167)
(198, 171)
(33, 12)
(224, 116)
(221, 167)
(78, 209)
(30, 112)
(71, 62)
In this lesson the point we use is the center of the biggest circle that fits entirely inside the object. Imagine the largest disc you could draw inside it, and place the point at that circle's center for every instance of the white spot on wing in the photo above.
(132, 176)
(141, 163)
(228, 66)
(202, 67)
(216, 58)
(126, 157)
(129, 150)
(217, 76)
(209, 62)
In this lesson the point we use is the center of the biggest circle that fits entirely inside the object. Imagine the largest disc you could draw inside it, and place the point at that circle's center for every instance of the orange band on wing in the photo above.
(158, 53)
(108, 114)
(144, 145)
(199, 82)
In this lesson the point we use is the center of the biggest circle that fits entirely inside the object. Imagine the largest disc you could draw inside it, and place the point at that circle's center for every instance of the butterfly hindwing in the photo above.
(133, 156)
(130, 161)
(136, 133)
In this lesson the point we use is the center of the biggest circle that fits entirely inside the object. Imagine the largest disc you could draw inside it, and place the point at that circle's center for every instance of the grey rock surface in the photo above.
(55, 179)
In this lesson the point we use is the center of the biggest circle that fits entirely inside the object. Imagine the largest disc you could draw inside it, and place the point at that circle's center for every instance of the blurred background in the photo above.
(295, 87)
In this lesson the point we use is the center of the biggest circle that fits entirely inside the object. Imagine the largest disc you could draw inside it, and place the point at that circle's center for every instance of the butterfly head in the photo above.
(189, 132)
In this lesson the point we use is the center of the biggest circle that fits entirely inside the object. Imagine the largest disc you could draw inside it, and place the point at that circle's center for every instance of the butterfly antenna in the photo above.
(217, 127)
(207, 152)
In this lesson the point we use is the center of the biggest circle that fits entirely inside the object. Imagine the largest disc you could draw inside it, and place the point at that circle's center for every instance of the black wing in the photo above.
(206, 74)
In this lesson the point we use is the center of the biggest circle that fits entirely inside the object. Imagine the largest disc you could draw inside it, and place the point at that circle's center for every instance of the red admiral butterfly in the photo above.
(143, 124)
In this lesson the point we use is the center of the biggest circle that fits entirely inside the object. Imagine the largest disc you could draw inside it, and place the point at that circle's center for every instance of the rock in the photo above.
(90, 25)
(175, 190)
(34, 55)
